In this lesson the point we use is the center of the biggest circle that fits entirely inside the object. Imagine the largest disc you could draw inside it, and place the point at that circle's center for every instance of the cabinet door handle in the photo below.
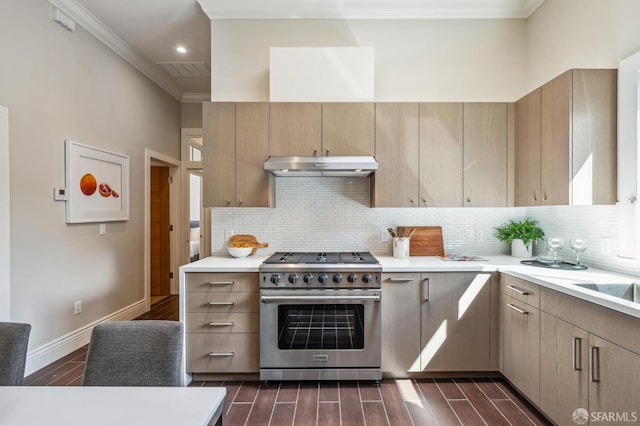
(518, 310)
(327, 152)
(399, 280)
(426, 290)
(220, 354)
(594, 364)
(518, 290)
(240, 202)
(577, 353)
(535, 197)
(411, 201)
(222, 324)
(212, 303)
(228, 202)
(468, 200)
(222, 282)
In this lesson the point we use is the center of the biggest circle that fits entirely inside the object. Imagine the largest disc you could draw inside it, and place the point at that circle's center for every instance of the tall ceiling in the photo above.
(147, 32)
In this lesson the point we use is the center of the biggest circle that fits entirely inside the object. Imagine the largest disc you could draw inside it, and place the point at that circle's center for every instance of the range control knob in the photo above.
(275, 278)
(337, 278)
(293, 278)
(307, 278)
(322, 278)
(367, 278)
(352, 278)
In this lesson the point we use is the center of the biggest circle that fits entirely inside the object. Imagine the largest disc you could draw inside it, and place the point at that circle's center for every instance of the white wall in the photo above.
(58, 85)
(564, 34)
(415, 60)
(5, 226)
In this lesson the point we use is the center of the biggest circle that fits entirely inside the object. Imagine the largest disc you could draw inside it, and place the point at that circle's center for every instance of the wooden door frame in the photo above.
(175, 212)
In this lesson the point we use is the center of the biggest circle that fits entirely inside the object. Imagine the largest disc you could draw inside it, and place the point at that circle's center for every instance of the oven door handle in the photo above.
(276, 299)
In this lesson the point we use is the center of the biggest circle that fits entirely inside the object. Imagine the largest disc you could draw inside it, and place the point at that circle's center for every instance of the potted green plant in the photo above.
(520, 235)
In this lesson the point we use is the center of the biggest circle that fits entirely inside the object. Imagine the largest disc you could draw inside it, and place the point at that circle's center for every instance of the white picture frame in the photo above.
(97, 184)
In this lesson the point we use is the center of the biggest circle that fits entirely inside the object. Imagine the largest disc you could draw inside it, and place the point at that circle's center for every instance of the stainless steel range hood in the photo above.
(321, 166)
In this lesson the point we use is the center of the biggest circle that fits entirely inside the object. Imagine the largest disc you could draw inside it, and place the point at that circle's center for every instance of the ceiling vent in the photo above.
(186, 69)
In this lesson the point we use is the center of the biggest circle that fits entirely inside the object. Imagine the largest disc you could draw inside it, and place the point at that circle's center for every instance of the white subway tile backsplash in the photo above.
(333, 213)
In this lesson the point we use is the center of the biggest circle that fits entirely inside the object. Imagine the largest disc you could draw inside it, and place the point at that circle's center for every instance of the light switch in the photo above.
(103, 228)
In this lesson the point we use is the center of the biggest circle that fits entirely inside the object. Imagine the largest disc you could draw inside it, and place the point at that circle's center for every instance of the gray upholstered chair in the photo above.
(135, 353)
(14, 339)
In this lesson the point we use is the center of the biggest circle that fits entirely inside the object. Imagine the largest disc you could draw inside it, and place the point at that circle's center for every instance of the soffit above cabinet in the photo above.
(369, 9)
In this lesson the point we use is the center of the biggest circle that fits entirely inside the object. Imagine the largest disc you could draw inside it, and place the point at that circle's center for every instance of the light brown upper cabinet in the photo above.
(485, 154)
(235, 147)
(572, 119)
(396, 180)
(295, 129)
(527, 150)
(313, 129)
(441, 144)
(348, 128)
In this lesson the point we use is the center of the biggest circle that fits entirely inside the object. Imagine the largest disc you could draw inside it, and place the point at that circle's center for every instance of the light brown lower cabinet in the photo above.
(614, 383)
(455, 333)
(400, 322)
(521, 346)
(563, 369)
(222, 322)
(562, 357)
(436, 322)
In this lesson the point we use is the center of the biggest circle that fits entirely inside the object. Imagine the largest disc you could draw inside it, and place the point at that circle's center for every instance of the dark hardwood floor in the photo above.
(392, 402)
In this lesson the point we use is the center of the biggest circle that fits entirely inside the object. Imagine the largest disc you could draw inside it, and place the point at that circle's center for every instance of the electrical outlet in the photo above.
(77, 307)
(103, 229)
(384, 236)
(605, 245)
(227, 234)
(479, 236)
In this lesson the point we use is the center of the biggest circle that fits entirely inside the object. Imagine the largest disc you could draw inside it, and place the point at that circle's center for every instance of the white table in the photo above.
(109, 406)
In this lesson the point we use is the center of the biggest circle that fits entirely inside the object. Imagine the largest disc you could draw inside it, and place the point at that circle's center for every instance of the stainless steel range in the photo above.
(320, 316)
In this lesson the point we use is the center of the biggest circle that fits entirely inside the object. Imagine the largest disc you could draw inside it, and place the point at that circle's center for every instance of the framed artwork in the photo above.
(97, 184)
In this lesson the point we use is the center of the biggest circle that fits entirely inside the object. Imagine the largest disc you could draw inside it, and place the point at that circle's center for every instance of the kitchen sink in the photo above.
(629, 291)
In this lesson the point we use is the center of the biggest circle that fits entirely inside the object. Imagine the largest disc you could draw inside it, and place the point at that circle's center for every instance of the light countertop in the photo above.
(559, 280)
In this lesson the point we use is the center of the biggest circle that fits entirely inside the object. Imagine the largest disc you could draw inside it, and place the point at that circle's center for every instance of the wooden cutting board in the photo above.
(425, 241)
(246, 240)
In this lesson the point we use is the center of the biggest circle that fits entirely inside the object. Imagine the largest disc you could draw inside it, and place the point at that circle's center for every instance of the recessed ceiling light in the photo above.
(181, 49)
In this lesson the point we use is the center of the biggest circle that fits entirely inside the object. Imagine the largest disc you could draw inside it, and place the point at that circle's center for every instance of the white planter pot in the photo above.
(518, 249)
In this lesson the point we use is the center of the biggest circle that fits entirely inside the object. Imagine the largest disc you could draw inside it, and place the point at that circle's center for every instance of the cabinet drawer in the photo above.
(223, 353)
(223, 303)
(521, 290)
(223, 323)
(221, 282)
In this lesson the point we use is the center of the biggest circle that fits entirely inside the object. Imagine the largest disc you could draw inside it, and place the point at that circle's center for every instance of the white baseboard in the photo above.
(56, 349)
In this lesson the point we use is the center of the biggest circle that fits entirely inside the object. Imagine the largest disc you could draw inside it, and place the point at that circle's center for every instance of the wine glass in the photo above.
(554, 244)
(578, 245)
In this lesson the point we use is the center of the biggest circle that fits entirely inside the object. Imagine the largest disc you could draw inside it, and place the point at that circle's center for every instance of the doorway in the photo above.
(162, 238)
(197, 219)
(159, 235)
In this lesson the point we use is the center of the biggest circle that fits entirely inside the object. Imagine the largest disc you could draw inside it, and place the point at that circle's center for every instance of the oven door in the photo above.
(320, 328)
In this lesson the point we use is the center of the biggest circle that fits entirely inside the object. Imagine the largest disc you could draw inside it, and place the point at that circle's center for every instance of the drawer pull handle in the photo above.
(577, 353)
(594, 364)
(212, 303)
(518, 310)
(517, 290)
(221, 354)
(222, 282)
(222, 324)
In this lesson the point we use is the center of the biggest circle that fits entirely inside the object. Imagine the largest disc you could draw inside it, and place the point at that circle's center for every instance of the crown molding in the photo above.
(195, 97)
(341, 9)
(95, 27)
